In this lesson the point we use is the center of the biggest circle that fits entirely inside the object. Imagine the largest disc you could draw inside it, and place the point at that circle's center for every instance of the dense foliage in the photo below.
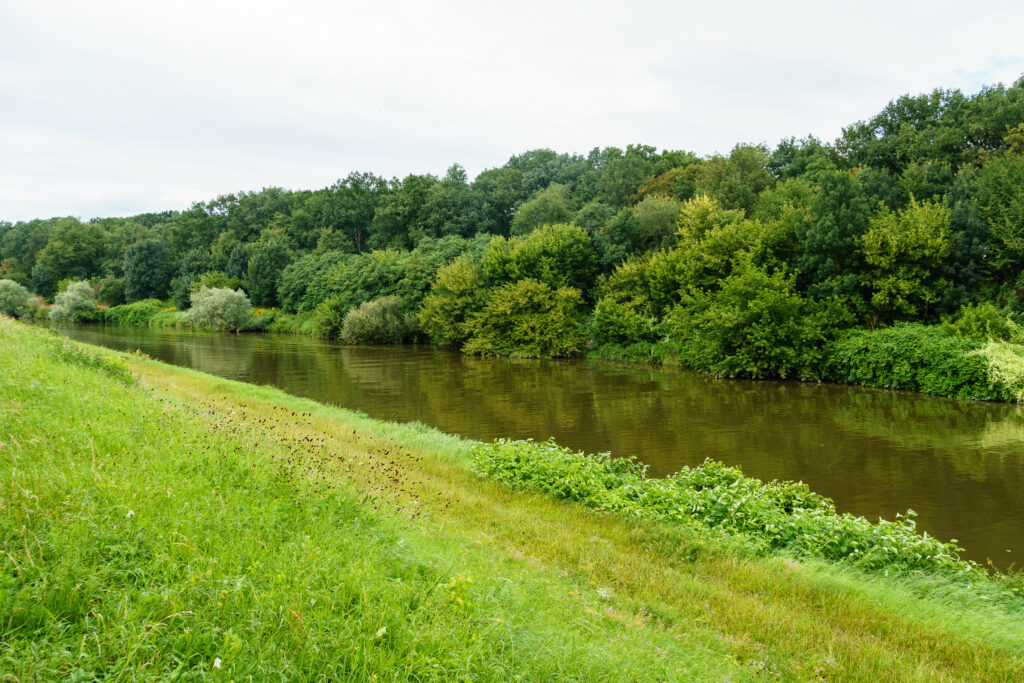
(14, 298)
(749, 263)
(381, 321)
(219, 309)
(776, 516)
(922, 358)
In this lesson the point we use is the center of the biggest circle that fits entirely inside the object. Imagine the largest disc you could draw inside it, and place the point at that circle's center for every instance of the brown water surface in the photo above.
(958, 464)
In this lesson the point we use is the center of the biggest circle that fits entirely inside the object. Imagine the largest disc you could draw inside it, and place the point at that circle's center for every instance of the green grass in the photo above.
(154, 523)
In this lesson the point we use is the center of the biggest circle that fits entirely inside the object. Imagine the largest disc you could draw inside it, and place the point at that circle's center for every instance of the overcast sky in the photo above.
(114, 108)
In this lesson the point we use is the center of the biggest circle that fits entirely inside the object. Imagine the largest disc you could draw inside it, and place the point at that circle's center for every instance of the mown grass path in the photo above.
(184, 526)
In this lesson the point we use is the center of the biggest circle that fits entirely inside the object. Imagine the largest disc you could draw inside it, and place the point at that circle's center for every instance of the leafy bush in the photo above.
(135, 313)
(756, 325)
(14, 299)
(557, 255)
(304, 284)
(457, 294)
(528, 319)
(616, 323)
(1005, 367)
(915, 357)
(777, 516)
(381, 321)
(329, 317)
(219, 308)
(74, 303)
(984, 321)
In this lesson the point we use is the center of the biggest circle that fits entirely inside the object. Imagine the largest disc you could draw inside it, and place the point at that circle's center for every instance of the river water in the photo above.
(958, 464)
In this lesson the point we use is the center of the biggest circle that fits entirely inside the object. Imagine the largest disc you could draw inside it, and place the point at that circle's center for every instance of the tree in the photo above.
(755, 325)
(14, 299)
(74, 302)
(43, 282)
(74, 250)
(219, 308)
(905, 253)
(528, 319)
(238, 261)
(557, 255)
(999, 189)
(147, 270)
(829, 262)
(110, 291)
(457, 293)
(551, 205)
(268, 259)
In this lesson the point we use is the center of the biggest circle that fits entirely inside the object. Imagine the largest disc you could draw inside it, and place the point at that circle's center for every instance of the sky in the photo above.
(112, 108)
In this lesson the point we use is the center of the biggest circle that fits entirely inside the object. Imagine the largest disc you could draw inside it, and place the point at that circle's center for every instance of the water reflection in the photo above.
(960, 465)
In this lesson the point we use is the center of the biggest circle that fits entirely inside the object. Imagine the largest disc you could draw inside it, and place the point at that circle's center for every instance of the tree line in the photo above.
(749, 263)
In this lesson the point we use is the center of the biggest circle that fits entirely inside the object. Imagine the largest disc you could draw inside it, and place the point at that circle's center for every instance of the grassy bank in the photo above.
(157, 521)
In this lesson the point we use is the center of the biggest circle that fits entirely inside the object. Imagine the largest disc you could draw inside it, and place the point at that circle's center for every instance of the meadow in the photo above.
(160, 523)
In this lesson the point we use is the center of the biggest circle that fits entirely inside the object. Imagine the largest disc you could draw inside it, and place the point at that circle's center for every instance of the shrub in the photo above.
(135, 313)
(617, 323)
(457, 294)
(984, 321)
(329, 317)
(528, 319)
(915, 357)
(756, 325)
(1005, 367)
(14, 299)
(557, 255)
(775, 516)
(219, 308)
(74, 303)
(381, 321)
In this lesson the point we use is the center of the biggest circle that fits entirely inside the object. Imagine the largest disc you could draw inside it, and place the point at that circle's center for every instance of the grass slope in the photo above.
(168, 524)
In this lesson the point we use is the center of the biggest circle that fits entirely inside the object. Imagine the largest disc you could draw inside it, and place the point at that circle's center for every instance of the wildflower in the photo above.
(216, 663)
(131, 513)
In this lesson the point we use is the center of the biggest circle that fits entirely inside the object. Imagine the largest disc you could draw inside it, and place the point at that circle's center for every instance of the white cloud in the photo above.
(113, 108)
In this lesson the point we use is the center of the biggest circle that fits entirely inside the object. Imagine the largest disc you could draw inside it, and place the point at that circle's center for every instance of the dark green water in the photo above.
(959, 465)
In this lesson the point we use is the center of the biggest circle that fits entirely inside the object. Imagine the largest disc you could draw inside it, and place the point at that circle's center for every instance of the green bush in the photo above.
(457, 294)
(219, 308)
(617, 323)
(984, 321)
(75, 303)
(756, 325)
(557, 255)
(778, 516)
(329, 317)
(1005, 367)
(381, 321)
(135, 313)
(14, 299)
(528, 319)
(915, 357)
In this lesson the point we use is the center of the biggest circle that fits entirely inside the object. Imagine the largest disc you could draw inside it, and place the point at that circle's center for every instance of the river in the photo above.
(958, 464)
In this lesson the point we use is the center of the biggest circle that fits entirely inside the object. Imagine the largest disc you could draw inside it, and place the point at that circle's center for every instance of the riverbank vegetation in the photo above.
(763, 262)
(161, 522)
